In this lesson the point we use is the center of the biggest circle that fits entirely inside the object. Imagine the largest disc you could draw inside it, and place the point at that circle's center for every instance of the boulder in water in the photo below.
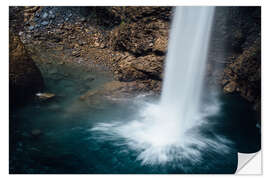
(45, 96)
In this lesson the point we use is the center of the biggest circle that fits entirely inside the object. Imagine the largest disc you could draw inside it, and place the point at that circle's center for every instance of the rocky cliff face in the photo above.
(132, 43)
(242, 72)
(142, 37)
(24, 77)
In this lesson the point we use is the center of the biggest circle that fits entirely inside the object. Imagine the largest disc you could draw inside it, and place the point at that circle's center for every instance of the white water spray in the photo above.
(161, 133)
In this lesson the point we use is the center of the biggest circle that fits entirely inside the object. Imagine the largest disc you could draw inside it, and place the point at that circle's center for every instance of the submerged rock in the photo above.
(119, 91)
(89, 78)
(53, 71)
(45, 96)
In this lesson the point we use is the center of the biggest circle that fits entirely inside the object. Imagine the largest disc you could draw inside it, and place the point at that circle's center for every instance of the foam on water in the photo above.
(160, 143)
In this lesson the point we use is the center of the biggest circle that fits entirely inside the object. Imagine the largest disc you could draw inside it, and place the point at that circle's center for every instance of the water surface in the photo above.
(67, 144)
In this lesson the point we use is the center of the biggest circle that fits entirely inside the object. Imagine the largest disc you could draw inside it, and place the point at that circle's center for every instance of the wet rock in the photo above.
(24, 77)
(240, 33)
(110, 92)
(89, 78)
(244, 73)
(151, 66)
(230, 87)
(53, 71)
(45, 96)
(57, 76)
(116, 91)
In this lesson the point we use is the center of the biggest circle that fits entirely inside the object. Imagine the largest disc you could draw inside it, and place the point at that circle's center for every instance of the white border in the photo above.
(251, 167)
(265, 85)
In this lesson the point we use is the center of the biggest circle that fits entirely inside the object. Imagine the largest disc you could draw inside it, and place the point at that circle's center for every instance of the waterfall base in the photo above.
(158, 140)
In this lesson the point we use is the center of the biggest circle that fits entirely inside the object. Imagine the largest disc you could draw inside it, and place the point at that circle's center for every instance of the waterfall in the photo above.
(185, 64)
(166, 131)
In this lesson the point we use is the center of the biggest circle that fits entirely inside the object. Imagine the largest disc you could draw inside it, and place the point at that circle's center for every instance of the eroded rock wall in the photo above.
(132, 43)
(24, 77)
(242, 72)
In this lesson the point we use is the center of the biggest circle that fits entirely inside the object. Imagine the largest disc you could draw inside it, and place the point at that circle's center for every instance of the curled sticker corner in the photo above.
(244, 159)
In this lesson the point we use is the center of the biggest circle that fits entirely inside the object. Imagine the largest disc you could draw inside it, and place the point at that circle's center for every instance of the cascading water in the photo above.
(166, 132)
(185, 64)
